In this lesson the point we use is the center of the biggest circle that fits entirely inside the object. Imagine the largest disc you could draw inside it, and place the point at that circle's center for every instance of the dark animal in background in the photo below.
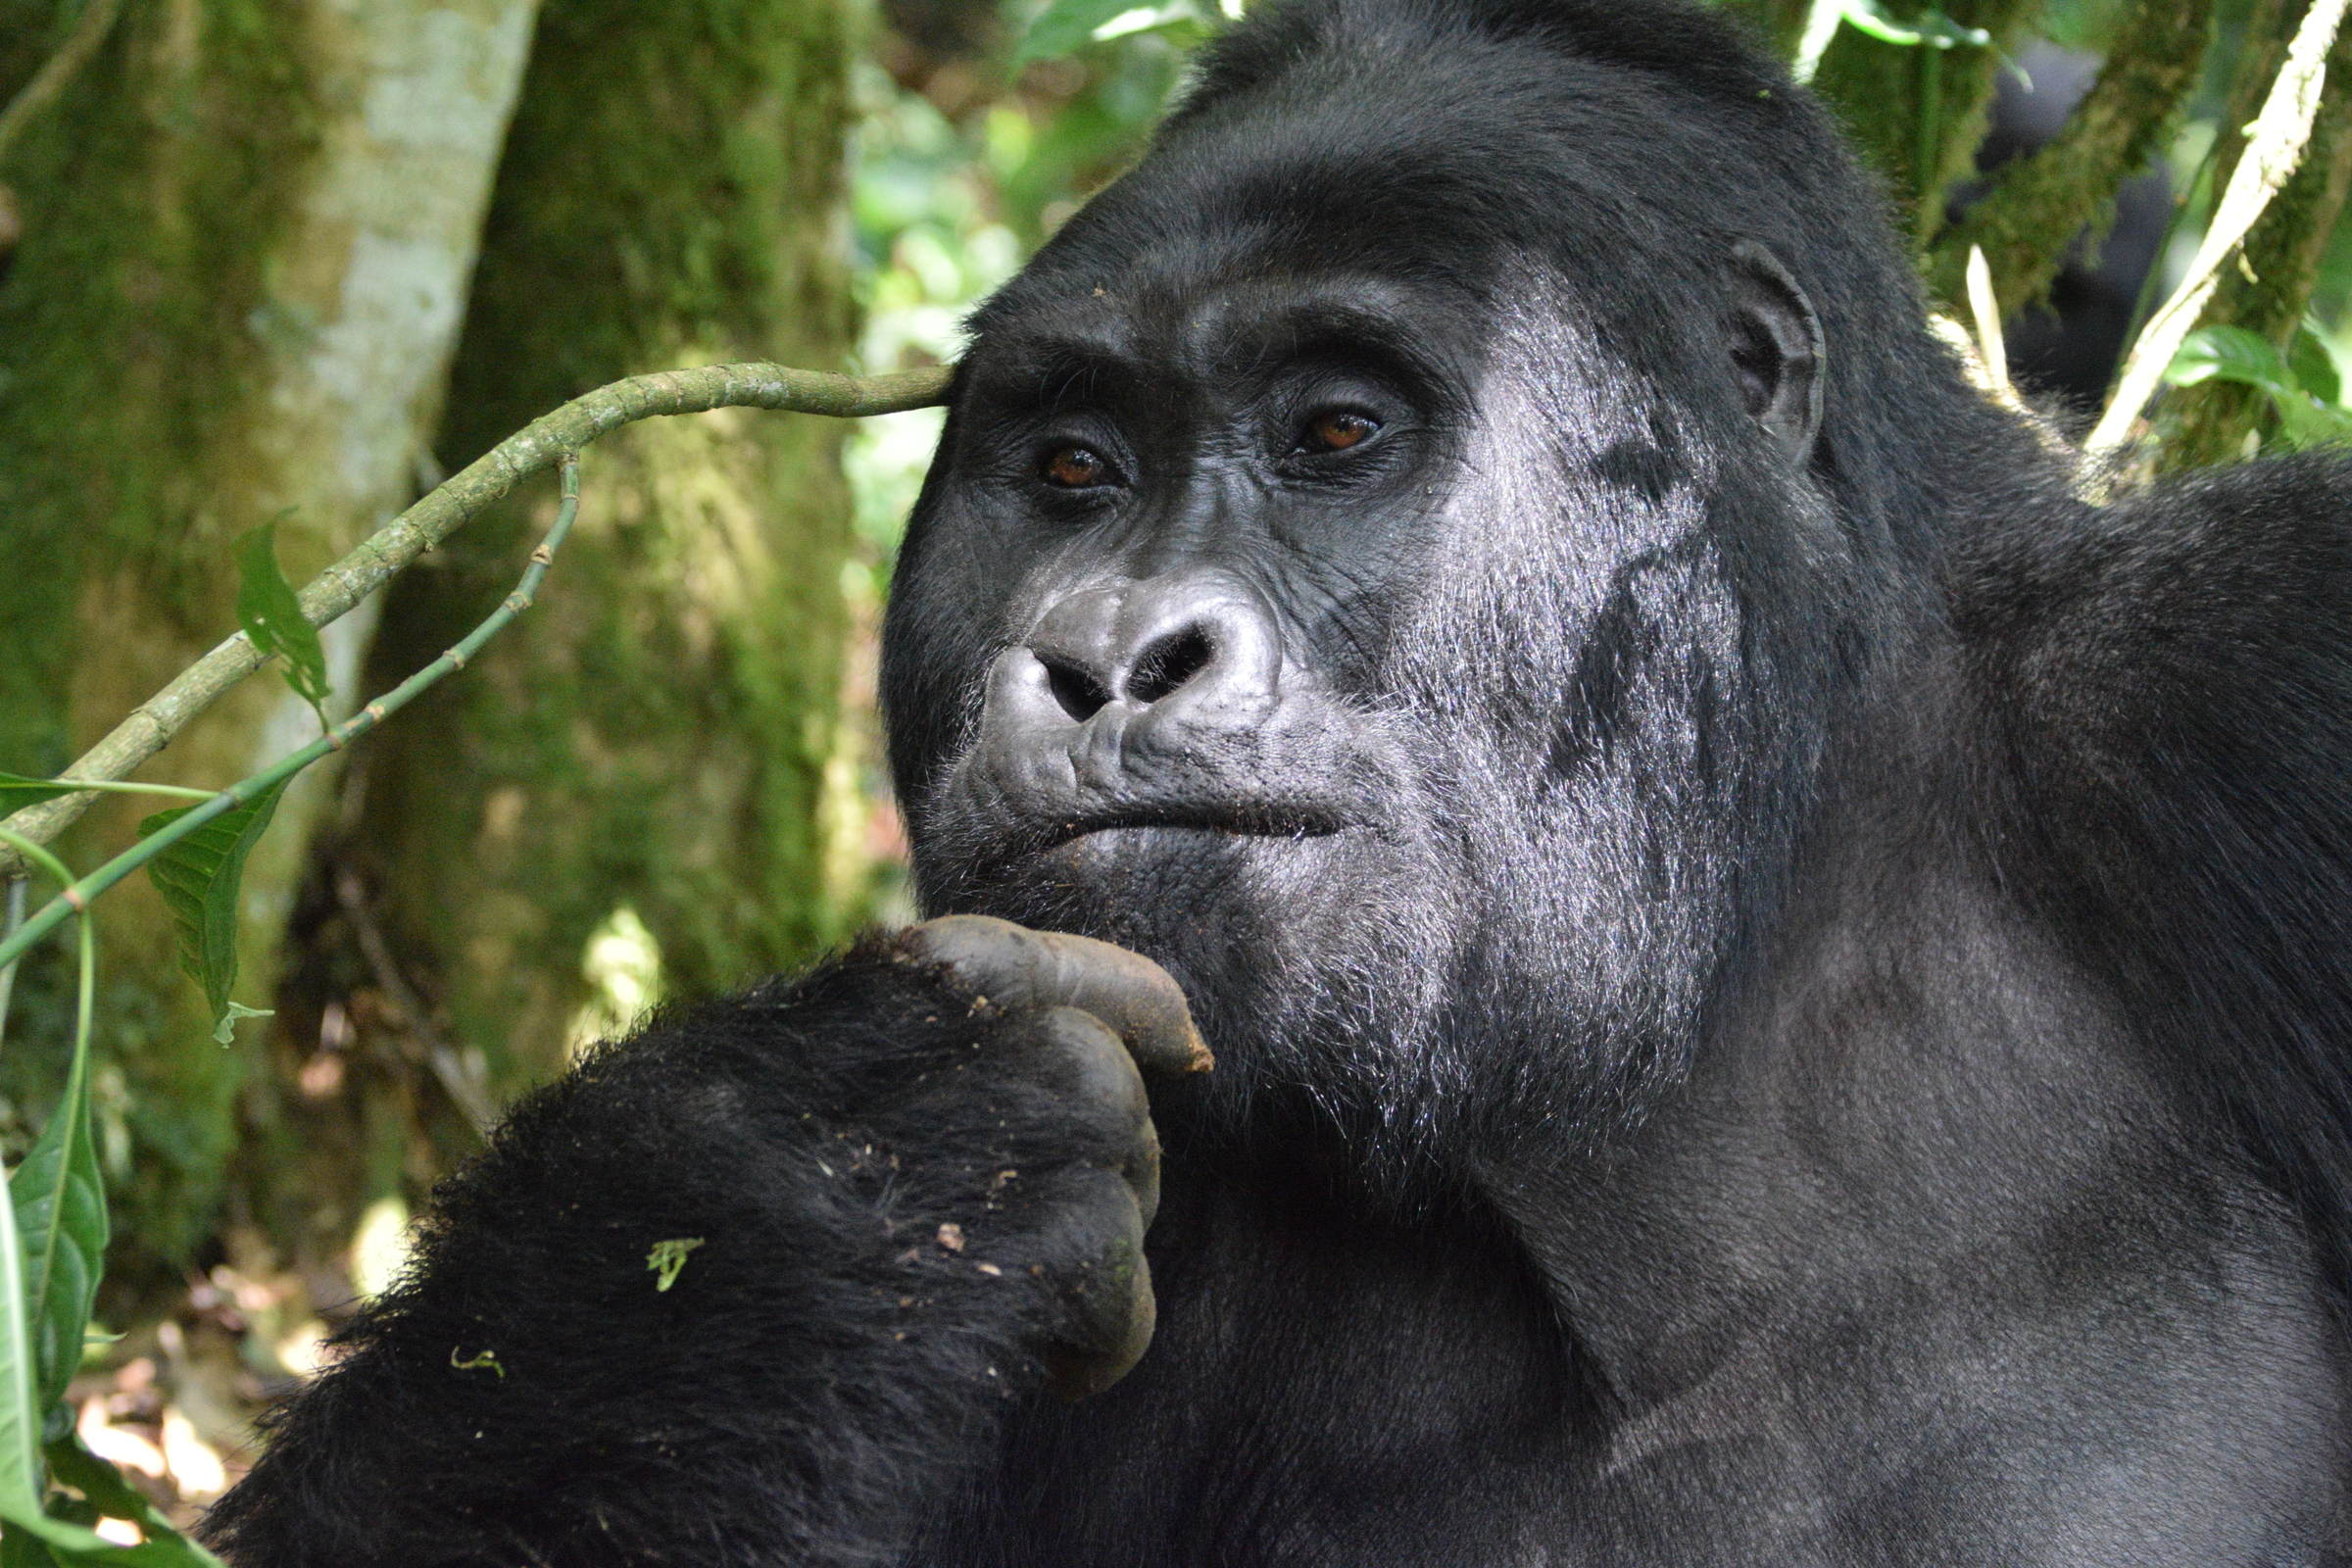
(1778, 984)
(2069, 346)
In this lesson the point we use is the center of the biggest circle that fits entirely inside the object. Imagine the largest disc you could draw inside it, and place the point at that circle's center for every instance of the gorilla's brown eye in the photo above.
(1337, 431)
(1075, 467)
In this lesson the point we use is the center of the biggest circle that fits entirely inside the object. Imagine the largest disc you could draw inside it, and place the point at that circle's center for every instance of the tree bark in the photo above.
(246, 232)
(658, 753)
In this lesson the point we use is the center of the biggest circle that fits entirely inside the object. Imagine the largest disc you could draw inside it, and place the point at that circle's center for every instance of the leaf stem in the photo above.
(77, 894)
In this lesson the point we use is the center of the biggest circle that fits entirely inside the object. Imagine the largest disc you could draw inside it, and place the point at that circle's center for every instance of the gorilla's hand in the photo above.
(1077, 1018)
(776, 1261)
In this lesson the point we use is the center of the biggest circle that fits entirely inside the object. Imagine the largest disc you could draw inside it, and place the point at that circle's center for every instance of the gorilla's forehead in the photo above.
(1455, 181)
(1170, 313)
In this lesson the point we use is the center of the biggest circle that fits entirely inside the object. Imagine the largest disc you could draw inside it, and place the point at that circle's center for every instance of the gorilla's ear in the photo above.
(1776, 349)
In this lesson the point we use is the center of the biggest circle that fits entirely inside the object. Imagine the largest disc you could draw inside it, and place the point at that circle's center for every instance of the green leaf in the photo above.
(59, 1204)
(198, 878)
(2229, 354)
(22, 1455)
(668, 1257)
(16, 792)
(116, 1498)
(1066, 25)
(22, 1549)
(273, 616)
(225, 1031)
(2304, 421)
(2314, 365)
(1933, 28)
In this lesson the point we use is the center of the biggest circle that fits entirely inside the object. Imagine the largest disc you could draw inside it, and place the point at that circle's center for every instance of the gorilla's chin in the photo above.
(1309, 958)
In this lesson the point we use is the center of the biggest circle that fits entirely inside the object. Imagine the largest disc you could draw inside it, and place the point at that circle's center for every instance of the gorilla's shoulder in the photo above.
(2164, 699)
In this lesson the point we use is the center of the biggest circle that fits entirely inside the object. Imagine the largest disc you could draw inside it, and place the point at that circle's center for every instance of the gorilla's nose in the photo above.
(1200, 636)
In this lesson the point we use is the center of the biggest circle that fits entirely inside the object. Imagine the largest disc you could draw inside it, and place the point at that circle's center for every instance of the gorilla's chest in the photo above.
(1321, 1395)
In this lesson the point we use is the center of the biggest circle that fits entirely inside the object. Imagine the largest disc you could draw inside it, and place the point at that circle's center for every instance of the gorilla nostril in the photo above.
(1080, 695)
(1168, 664)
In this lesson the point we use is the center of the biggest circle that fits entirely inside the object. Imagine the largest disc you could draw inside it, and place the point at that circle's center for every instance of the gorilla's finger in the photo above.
(1109, 1281)
(1017, 967)
(1097, 1071)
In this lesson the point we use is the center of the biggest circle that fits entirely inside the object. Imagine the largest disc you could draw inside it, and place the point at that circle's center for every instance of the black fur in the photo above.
(1779, 982)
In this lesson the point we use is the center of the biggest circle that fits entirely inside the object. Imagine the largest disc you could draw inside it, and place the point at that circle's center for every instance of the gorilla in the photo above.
(1778, 982)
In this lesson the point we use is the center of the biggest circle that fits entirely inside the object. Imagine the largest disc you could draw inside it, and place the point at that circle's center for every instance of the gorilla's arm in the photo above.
(900, 1195)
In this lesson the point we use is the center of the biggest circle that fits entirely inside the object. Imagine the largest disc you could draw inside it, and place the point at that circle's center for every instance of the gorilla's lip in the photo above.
(1234, 819)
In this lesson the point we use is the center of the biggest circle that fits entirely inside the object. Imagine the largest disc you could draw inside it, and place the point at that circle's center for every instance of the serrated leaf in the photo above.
(273, 618)
(1065, 26)
(16, 792)
(198, 878)
(2229, 354)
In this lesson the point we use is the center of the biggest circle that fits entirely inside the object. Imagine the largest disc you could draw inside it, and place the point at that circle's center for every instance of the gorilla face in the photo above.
(1335, 620)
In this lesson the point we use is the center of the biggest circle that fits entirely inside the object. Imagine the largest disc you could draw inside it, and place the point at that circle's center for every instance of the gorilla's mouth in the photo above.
(1233, 819)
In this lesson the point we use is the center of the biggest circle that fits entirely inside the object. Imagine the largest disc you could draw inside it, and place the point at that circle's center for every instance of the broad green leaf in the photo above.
(16, 792)
(59, 1204)
(20, 1410)
(1065, 26)
(2229, 354)
(198, 878)
(2314, 365)
(273, 616)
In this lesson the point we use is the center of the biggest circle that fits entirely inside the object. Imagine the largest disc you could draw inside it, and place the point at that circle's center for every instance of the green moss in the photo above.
(658, 732)
(146, 193)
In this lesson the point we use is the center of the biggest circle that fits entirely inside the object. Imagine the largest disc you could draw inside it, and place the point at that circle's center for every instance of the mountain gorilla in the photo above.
(1779, 983)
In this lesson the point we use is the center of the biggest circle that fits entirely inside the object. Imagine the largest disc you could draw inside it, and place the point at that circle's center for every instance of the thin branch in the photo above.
(77, 896)
(2273, 150)
(539, 446)
(2039, 203)
(90, 29)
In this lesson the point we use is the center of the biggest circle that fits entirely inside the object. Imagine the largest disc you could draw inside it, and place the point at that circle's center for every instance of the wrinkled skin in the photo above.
(1778, 981)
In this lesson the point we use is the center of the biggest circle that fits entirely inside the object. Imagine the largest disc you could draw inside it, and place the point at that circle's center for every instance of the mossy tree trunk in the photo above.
(1917, 111)
(654, 760)
(246, 229)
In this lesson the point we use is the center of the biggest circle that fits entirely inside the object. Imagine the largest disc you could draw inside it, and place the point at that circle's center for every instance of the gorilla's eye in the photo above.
(1072, 466)
(1337, 431)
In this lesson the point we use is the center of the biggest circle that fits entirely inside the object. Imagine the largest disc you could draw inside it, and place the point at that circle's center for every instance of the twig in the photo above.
(2273, 150)
(90, 29)
(77, 896)
(463, 1091)
(539, 446)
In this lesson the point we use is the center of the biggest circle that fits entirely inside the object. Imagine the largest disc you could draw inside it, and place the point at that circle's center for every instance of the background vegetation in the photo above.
(291, 262)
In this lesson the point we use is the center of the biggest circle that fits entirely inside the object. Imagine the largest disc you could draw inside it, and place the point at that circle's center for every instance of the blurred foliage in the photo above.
(966, 161)
(983, 125)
